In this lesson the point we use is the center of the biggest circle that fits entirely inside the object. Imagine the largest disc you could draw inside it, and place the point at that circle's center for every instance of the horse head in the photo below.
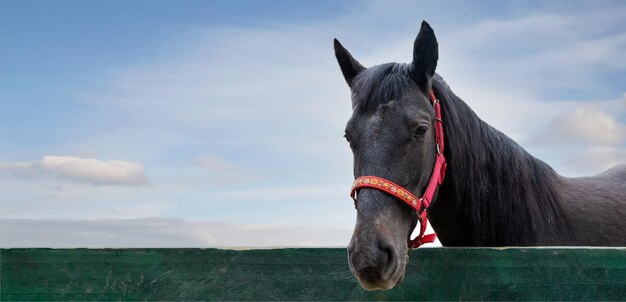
(392, 135)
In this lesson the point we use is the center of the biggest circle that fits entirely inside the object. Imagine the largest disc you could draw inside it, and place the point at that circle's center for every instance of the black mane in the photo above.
(509, 194)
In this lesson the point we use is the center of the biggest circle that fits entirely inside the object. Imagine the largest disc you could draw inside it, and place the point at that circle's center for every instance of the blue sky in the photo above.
(206, 123)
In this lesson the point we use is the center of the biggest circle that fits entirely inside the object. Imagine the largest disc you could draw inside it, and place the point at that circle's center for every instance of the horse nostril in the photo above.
(390, 263)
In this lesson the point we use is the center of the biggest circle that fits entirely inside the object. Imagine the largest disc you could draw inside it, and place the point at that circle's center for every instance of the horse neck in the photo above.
(500, 194)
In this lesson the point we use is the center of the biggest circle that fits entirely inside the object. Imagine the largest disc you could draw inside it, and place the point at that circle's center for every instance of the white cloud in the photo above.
(586, 137)
(161, 232)
(589, 125)
(595, 159)
(88, 170)
(540, 53)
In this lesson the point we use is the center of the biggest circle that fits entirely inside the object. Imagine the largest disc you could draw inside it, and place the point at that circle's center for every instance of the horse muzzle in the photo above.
(376, 266)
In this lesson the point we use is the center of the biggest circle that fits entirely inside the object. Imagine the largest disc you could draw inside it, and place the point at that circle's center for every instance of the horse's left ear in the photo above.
(350, 67)
(425, 55)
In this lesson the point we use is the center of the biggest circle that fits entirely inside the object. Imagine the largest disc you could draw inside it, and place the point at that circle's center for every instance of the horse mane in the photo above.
(509, 195)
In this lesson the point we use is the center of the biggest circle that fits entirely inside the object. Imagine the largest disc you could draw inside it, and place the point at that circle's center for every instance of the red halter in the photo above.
(418, 204)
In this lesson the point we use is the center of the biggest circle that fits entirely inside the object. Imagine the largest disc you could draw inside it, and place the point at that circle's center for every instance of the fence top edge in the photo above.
(246, 248)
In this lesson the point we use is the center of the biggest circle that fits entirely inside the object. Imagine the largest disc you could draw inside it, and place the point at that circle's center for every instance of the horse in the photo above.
(494, 193)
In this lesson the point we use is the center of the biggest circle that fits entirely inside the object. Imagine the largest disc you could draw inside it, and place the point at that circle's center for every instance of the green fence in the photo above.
(308, 274)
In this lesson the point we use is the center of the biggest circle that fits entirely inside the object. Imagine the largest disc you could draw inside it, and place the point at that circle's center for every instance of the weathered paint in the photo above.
(308, 274)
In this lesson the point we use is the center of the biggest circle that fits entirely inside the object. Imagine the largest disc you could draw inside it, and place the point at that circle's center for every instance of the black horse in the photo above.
(494, 192)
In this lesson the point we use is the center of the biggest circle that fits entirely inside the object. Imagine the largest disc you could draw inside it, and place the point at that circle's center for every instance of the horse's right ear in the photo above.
(349, 66)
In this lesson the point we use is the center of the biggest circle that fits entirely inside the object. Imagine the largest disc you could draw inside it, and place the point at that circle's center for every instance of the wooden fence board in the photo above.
(308, 274)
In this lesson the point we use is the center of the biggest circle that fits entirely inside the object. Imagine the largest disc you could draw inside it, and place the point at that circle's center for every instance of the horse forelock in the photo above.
(380, 84)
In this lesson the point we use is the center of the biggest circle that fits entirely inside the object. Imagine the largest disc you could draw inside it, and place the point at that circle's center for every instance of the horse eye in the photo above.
(421, 130)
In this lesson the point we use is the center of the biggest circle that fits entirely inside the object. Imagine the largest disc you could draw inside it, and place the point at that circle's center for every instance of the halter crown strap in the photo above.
(418, 204)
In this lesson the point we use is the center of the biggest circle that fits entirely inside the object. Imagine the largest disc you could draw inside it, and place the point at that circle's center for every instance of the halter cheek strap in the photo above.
(418, 204)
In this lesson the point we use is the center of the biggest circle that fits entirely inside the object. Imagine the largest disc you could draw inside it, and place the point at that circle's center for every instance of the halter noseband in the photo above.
(418, 204)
